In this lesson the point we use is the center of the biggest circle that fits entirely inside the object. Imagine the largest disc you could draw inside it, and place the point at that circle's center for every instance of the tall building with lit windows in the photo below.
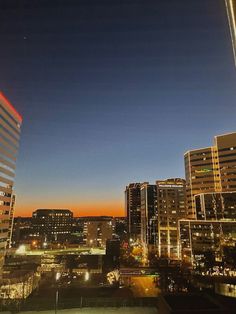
(171, 195)
(211, 201)
(97, 230)
(10, 124)
(231, 13)
(133, 210)
(149, 216)
(210, 169)
(52, 224)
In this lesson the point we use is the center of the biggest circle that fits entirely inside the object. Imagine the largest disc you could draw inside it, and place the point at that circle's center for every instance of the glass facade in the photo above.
(133, 209)
(149, 215)
(216, 206)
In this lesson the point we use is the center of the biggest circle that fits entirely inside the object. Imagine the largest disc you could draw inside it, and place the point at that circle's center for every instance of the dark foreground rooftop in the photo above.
(190, 304)
(108, 310)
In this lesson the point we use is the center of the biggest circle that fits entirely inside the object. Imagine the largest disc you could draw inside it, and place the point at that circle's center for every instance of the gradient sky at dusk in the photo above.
(112, 92)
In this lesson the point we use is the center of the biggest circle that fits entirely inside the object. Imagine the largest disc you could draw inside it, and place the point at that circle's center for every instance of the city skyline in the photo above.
(121, 100)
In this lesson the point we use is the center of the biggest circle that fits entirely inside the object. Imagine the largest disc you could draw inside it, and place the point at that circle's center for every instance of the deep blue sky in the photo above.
(112, 92)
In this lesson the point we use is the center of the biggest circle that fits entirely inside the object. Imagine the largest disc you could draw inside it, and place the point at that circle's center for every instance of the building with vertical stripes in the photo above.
(133, 210)
(149, 216)
(10, 124)
(171, 208)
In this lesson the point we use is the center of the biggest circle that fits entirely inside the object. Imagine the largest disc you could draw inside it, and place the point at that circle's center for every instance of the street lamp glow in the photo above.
(21, 249)
(86, 277)
(58, 275)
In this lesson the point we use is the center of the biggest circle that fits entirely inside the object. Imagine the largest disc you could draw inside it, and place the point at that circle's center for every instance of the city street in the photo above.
(144, 287)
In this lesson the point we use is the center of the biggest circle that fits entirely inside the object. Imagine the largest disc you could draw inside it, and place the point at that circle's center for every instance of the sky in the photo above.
(112, 92)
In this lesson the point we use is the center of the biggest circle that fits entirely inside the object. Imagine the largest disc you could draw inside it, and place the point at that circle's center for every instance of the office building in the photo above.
(231, 14)
(133, 210)
(97, 230)
(205, 239)
(52, 224)
(216, 206)
(211, 169)
(10, 123)
(148, 216)
(171, 207)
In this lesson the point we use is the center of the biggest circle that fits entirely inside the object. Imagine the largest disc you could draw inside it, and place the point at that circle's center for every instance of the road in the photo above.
(143, 287)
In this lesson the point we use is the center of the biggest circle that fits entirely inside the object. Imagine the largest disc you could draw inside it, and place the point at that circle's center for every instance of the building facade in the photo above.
(211, 201)
(133, 210)
(10, 124)
(171, 207)
(211, 169)
(97, 230)
(52, 224)
(200, 239)
(149, 216)
(216, 206)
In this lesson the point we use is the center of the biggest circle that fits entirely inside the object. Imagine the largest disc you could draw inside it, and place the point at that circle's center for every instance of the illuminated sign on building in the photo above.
(204, 170)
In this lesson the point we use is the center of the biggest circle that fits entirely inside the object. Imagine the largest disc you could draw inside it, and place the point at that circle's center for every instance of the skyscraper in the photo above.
(149, 215)
(171, 207)
(10, 123)
(231, 13)
(133, 207)
(211, 169)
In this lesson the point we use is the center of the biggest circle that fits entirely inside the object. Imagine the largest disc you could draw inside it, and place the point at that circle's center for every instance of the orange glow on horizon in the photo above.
(115, 208)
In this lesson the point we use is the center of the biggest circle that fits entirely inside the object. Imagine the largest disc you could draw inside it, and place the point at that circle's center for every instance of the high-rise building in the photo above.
(10, 123)
(52, 224)
(149, 216)
(133, 210)
(211, 169)
(231, 13)
(171, 207)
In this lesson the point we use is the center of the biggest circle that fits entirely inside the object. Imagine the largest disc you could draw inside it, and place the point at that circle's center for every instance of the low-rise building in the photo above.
(52, 224)
(97, 230)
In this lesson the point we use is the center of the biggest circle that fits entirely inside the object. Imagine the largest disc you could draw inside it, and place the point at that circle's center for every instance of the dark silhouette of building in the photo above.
(133, 210)
(149, 216)
(112, 258)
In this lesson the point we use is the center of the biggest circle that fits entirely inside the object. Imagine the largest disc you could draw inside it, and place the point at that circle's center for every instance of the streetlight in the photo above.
(86, 277)
(58, 275)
